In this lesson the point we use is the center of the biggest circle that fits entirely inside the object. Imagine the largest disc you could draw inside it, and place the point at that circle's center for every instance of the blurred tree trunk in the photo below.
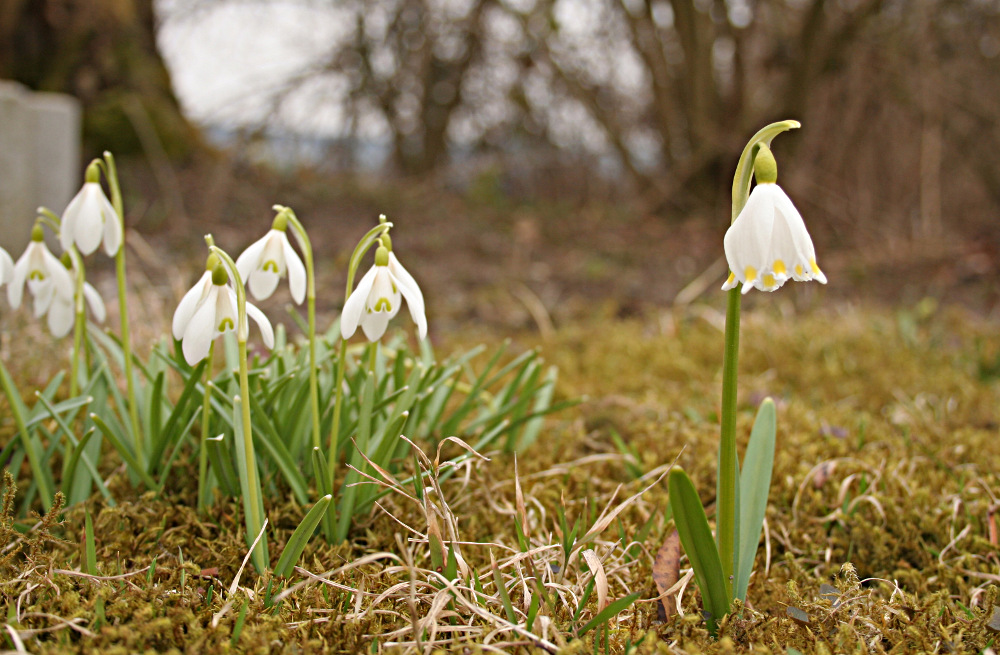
(103, 52)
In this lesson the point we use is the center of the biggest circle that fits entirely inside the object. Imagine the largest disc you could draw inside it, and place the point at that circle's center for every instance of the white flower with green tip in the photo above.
(210, 310)
(378, 296)
(43, 273)
(60, 313)
(269, 259)
(768, 243)
(90, 218)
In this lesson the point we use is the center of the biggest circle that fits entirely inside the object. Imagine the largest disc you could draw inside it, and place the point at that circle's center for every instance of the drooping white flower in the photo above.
(44, 274)
(378, 296)
(209, 312)
(90, 218)
(768, 243)
(61, 314)
(268, 259)
(6, 267)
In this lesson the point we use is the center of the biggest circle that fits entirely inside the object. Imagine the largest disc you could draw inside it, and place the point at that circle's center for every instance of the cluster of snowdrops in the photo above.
(391, 397)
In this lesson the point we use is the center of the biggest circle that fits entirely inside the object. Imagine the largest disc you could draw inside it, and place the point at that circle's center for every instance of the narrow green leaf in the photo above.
(124, 451)
(696, 537)
(297, 542)
(611, 610)
(755, 485)
(40, 473)
(508, 608)
(222, 463)
(90, 545)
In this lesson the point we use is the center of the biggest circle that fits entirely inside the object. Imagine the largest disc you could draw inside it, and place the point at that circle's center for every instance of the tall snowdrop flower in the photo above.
(44, 274)
(193, 298)
(61, 312)
(269, 259)
(768, 243)
(213, 316)
(90, 218)
(378, 296)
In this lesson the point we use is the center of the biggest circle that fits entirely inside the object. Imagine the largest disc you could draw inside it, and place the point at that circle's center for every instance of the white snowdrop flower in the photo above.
(192, 300)
(377, 298)
(215, 312)
(768, 243)
(269, 259)
(44, 274)
(6, 267)
(90, 218)
(61, 315)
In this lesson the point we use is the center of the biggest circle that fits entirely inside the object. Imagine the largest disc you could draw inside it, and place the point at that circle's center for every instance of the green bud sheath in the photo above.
(764, 166)
(382, 256)
(93, 172)
(219, 275)
(280, 221)
(37, 233)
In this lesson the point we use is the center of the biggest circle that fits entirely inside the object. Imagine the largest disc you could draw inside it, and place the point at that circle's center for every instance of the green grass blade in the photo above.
(755, 485)
(19, 410)
(611, 610)
(221, 459)
(90, 546)
(297, 542)
(696, 537)
(124, 451)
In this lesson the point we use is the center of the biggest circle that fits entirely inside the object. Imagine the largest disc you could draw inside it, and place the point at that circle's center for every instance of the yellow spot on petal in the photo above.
(36, 275)
(768, 280)
(813, 266)
(750, 273)
(226, 324)
(270, 265)
(779, 267)
(798, 270)
(731, 278)
(383, 304)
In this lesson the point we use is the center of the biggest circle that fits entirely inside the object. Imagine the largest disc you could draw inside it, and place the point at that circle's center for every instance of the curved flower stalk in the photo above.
(768, 243)
(271, 258)
(209, 310)
(378, 297)
(90, 218)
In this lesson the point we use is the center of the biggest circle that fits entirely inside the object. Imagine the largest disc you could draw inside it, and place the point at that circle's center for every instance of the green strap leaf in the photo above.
(696, 537)
(297, 543)
(755, 485)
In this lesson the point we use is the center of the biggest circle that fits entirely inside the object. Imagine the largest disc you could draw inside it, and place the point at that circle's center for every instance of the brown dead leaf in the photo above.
(667, 571)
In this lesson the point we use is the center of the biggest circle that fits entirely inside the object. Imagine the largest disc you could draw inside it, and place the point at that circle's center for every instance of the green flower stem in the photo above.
(206, 415)
(252, 504)
(366, 242)
(79, 324)
(111, 172)
(726, 534)
(303, 240)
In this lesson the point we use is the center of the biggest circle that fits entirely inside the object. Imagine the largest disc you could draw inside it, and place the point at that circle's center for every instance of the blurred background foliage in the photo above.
(645, 100)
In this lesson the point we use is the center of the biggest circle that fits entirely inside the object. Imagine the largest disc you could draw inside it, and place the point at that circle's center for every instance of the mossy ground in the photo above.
(885, 487)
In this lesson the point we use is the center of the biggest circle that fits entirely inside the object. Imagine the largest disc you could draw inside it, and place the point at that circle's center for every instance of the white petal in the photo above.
(374, 323)
(266, 331)
(61, 277)
(113, 233)
(88, 225)
(67, 225)
(43, 294)
(296, 273)
(6, 267)
(404, 277)
(263, 283)
(356, 304)
(748, 238)
(415, 301)
(384, 290)
(249, 259)
(95, 301)
(189, 303)
(227, 311)
(60, 317)
(15, 289)
(200, 331)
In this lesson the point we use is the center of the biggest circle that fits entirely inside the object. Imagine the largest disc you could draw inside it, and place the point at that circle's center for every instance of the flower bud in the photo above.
(764, 166)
